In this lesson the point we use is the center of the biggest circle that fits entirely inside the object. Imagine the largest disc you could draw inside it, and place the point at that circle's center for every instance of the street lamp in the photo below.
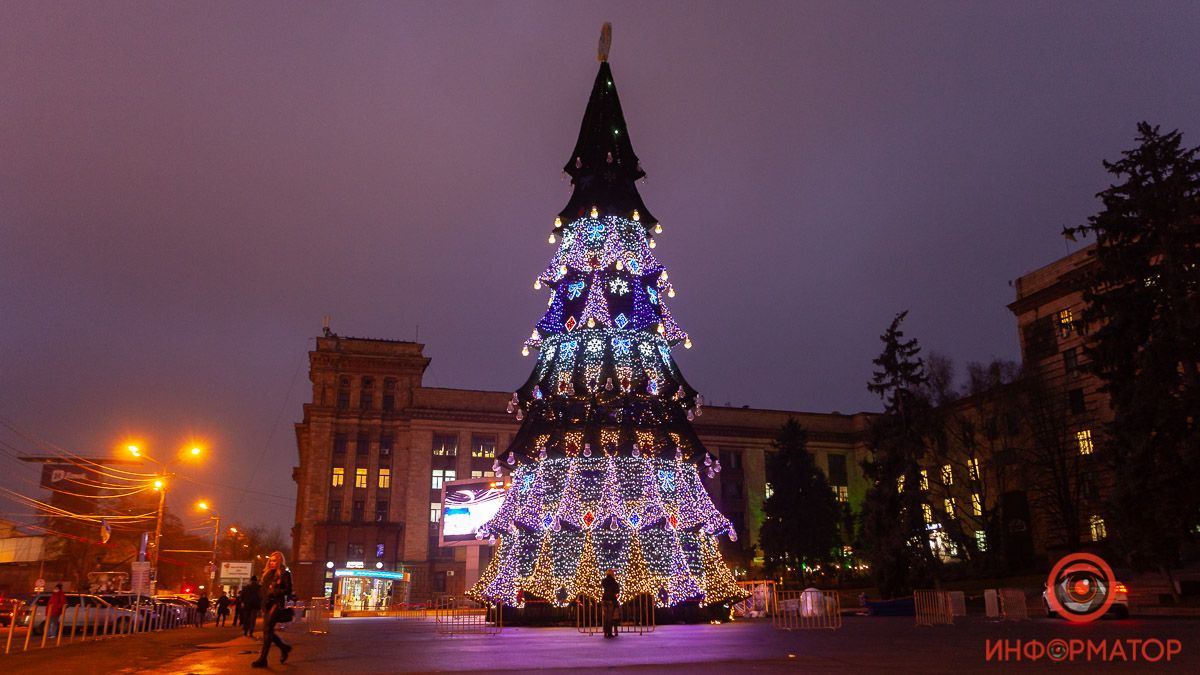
(160, 484)
(216, 518)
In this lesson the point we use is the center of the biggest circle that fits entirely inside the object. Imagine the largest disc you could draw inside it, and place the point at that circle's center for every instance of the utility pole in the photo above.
(212, 582)
(162, 500)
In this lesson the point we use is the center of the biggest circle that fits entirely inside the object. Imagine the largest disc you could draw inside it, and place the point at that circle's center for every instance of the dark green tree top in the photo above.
(802, 515)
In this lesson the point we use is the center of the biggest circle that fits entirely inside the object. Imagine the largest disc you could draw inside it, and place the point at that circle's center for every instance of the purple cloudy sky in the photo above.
(187, 188)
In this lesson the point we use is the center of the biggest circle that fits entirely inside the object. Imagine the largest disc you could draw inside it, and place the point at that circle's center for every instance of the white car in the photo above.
(1119, 608)
(94, 614)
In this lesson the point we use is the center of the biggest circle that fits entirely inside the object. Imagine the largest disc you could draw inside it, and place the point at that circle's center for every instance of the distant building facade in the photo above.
(375, 446)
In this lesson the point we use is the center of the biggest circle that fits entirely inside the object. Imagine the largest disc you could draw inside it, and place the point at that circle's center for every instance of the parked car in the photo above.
(175, 609)
(6, 607)
(1119, 608)
(148, 610)
(94, 613)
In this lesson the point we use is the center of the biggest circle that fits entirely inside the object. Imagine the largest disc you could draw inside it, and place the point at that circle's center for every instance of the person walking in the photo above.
(222, 608)
(276, 589)
(251, 599)
(237, 608)
(609, 603)
(202, 609)
(54, 609)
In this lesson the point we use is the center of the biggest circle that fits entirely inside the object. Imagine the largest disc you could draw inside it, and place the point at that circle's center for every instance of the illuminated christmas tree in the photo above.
(606, 466)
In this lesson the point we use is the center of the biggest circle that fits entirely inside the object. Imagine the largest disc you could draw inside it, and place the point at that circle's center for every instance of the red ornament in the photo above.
(588, 519)
(570, 324)
(673, 521)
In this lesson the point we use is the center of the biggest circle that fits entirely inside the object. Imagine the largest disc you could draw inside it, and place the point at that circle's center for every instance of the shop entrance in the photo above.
(370, 590)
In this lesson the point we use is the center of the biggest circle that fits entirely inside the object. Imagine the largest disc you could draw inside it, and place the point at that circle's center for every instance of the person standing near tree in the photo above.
(54, 609)
(251, 599)
(276, 589)
(609, 603)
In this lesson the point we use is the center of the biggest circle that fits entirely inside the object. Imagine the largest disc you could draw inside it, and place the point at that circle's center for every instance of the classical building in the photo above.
(375, 446)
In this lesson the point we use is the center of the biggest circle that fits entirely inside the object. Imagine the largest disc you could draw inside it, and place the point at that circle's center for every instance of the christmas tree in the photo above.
(606, 466)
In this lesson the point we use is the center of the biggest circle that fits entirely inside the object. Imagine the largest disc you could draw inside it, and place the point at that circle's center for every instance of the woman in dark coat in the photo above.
(276, 589)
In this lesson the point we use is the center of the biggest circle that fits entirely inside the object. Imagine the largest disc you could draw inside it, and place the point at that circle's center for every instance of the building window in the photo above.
(445, 445)
(731, 459)
(837, 469)
(950, 507)
(1070, 360)
(476, 473)
(924, 479)
(355, 551)
(981, 540)
(1065, 322)
(1075, 402)
(1083, 437)
(362, 444)
(435, 512)
(483, 447)
(330, 550)
(366, 395)
(389, 394)
(440, 476)
(927, 512)
(731, 489)
(356, 513)
(385, 478)
(360, 477)
(386, 442)
(973, 468)
(381, 511)
(841, 493)
(340, 442)
(1096, 525)
(976, 504)
(335, 510)
(339, 476)
(768, 490)
(900, 483)
(343, 395)
(947, 474)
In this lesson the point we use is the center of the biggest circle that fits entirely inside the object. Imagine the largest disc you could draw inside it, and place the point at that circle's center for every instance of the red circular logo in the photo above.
(1080, 587)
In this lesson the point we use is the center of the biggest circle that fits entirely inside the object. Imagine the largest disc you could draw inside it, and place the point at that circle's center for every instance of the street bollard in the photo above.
(32, 616)
(106, 618)
(74, 620)
(45, 624)
(12, 625)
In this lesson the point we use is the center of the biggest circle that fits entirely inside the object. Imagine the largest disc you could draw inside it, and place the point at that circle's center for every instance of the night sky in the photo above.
(186, 189)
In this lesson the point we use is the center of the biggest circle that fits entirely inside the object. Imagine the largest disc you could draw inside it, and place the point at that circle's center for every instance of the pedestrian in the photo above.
(201, 608)
(251, 599)
(222, 608)
(276, 589)
(609, 603)
(237, 607)
(54, 609)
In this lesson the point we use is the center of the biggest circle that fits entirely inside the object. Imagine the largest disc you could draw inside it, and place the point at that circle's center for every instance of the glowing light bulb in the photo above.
(591, 322)
(671, 292)
(661, 329)
(562, 269)
(653, 244)
(664, 276)
(557, 222)
(620, 265)
(658, 228)
(525, 350)
(687, 343)
(551, 238)
(550, 301)
(537, 284)
(595, 212)
(636, 216)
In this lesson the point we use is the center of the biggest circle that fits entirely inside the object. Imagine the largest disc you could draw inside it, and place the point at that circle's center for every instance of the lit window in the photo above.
(1084, 438)
(847, 551)
(927, 511)
(445, 445)
(441, 476)
(339, 476)
(947, 475)
(483, 447)
(981, 540)
(476, 473)
(924, 479)
(841, 492)
(1096, 525)
(385, 478)
(976, 504)
(435, 512)
(1065, 322)
(973, 468)
(950, 507)
(900, 483)
(360, 477)
(768, 491)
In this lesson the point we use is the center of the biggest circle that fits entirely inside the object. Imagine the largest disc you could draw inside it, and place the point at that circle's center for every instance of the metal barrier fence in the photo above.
(316, 615)
(87, 621)
(759, 604)
(634, 616)
(460, 615)
(933, 608)
(1012, 604)
(806, 610)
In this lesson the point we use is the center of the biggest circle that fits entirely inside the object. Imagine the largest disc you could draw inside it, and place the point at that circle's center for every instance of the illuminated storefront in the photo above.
(370, 590)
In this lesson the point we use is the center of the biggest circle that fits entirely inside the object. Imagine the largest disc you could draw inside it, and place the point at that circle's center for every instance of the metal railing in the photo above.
(316, 615)
(1013, 605)
(460, 615)
(89, 623)
(806, 610)
(760, 601)
(933, 608)
(633, 616)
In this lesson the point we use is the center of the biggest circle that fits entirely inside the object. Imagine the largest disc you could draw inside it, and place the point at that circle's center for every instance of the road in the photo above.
(863, 644)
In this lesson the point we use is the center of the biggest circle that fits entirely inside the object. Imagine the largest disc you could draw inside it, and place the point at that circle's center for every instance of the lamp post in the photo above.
(160, 484)
(216, 518)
